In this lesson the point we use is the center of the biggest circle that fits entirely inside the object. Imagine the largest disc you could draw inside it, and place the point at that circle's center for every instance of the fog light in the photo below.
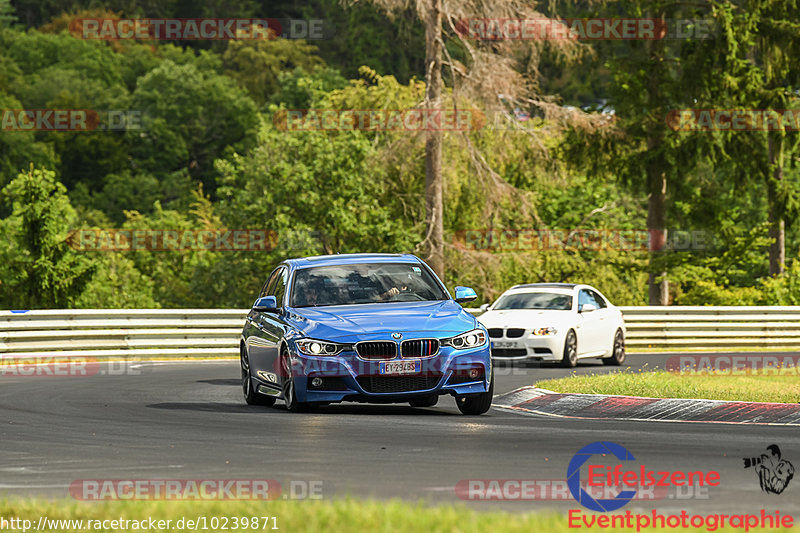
(474, 373)
(316, 382)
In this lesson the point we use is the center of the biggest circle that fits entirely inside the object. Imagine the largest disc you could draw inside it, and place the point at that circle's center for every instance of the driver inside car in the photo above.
(394, 291)
(311, 294)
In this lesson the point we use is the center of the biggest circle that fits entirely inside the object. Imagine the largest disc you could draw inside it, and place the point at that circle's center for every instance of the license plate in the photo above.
(400, 367)
(504, 345)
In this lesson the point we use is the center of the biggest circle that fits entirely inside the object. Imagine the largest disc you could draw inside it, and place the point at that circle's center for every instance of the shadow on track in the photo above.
(587, 363)
(338, 409)
(237, 382)
(204, 406)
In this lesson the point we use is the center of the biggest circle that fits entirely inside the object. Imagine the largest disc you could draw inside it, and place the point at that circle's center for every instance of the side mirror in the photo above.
(585, 308)
(465, 294)
(484, 307)
(267, 303)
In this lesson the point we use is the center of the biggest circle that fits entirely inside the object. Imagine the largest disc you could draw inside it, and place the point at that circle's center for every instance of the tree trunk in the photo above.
(656, 227)
(777, 235)
(433, 143)
(656, 179)
(657, 223)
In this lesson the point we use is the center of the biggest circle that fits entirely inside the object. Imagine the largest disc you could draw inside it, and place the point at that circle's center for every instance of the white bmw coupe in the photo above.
(559, 322)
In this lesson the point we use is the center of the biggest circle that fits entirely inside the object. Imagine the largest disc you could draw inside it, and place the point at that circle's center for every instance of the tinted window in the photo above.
(535, 300)
(270, 283)
(278, 289)
(601, 303)
(364, 283)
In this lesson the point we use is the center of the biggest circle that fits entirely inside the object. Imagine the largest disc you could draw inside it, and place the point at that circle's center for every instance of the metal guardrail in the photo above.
(121, 333)
(709, 328)
(215, 332)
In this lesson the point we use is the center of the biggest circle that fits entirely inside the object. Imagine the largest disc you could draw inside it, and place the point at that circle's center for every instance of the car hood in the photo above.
(525, 318)
(439, 318)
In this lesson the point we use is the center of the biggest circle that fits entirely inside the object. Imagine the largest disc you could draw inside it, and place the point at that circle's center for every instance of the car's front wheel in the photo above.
(251, 396)
(617, 351)
(289, 390)
(570, 358)
(476, 404)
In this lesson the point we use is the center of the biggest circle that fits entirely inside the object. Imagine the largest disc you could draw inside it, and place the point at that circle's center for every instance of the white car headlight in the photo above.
(320, 348)
(470, 339)
(542, 332)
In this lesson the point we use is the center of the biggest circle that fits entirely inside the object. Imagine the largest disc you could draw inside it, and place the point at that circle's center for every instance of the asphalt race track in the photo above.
(188, 421)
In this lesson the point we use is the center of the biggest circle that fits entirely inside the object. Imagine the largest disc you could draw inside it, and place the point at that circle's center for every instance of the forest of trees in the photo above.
(571, 139)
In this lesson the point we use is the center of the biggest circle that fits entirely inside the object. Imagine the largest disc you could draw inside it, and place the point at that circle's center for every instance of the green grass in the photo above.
(340, 516)
(779, 388)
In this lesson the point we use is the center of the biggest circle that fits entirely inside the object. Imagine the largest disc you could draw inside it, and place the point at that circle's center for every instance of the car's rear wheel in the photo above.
(425, 401)
(570, 357)
(476, 404)
(251, 396)
(289, 390)
(617, 351)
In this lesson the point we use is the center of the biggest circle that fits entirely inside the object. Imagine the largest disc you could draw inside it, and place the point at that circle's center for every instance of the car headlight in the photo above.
(470, 339)
(541, 332)
(320, 348)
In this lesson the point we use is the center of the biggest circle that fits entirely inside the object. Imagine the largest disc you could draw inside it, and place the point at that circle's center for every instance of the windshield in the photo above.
(364, 284)
(535, 300)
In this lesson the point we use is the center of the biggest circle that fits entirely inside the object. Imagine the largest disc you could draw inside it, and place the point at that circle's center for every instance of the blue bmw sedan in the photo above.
(378, 328)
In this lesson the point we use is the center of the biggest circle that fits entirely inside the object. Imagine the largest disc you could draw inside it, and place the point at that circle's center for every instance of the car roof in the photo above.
(349, 259)
(545, 286)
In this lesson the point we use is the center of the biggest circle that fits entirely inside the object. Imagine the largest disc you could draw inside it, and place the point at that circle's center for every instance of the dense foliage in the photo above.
(206, 147)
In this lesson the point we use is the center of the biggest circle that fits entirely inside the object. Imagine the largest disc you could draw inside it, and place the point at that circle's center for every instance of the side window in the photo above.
(278, 289)
(585, 297)
(601, 302)
(269, 284)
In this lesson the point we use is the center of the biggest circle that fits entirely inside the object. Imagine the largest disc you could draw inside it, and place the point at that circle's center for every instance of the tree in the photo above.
(7, 16)
(190, 117)
(20, 149)
(256, 65)
(44, 272)
(651, 79)
(481, 71)
(770, 36)
(319, 192)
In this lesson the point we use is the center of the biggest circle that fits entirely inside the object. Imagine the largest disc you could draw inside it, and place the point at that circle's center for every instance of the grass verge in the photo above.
(662, 384)
(341, 516)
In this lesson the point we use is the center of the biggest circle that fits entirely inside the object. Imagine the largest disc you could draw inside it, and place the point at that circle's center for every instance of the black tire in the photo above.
(570, 357)
(251, 396)
(476, 404)
(617, 350)
(425, 401)
(289, 393)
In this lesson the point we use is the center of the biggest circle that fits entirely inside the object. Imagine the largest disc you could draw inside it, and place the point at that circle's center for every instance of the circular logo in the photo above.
(397, 335)
(574, 476)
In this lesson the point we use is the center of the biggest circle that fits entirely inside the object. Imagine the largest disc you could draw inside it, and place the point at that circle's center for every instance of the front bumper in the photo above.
(347, 377)
(529, 348)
